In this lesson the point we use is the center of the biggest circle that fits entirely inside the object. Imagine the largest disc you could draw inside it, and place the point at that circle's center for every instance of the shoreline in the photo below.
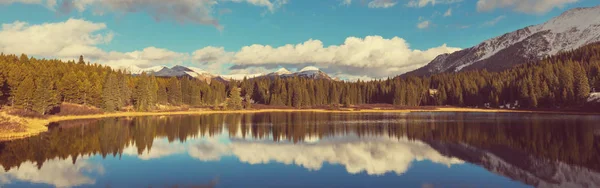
(36, 126)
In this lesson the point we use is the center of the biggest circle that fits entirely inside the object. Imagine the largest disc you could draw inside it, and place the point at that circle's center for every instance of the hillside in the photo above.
(572, 29)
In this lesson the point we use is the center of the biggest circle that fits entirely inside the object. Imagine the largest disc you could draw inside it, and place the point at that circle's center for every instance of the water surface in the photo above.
(311, 150)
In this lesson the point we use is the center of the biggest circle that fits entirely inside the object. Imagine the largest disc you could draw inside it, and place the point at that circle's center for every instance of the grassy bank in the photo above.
(15, 127)
(20, 127)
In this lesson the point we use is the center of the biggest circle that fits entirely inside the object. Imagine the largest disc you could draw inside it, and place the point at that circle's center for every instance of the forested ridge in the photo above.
(41, 85)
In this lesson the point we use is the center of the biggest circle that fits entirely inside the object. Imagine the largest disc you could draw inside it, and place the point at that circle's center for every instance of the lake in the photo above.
(429, 149)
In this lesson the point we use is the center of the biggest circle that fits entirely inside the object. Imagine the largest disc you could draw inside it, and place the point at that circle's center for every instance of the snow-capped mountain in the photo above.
(179, 71)
(192, 72)
(307, 72)
(572, 29)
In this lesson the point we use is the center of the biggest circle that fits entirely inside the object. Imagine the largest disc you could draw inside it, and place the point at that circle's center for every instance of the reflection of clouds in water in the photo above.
(160, 148)
(373, 155)
(57, 172)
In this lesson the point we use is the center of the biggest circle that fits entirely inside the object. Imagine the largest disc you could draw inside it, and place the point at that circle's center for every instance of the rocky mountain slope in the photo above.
(306, 72)
(182, 71)
(572, 29)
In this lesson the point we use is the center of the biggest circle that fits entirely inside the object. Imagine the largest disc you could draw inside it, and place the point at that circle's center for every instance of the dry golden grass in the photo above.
(26, 126)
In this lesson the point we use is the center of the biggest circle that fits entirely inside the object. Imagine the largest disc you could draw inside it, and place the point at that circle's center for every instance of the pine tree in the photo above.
(24, 94)
(235, 100)
(582, 85)
(46, 96)
(124, 90)
(68, 88)
(81, 61)
(110, 94)
(174, 92)
(143, 93)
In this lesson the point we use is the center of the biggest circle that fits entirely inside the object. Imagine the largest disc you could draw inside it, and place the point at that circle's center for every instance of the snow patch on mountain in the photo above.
(282, 71)
(309, 68)
(572, 29)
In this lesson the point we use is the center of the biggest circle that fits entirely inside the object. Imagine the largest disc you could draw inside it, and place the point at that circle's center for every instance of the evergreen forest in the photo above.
(41, 85)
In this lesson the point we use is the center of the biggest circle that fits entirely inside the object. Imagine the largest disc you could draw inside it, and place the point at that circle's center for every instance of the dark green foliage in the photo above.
(24, 94)
(563, 80)
(46, 96)
(174, 93)
(111, 94)
(235, 100)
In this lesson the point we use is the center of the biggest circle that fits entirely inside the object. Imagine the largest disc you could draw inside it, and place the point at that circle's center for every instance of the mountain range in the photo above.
(571, 30)
(192, 72)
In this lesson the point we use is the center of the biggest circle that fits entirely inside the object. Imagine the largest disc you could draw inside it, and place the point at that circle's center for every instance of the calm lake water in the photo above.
(311, 150)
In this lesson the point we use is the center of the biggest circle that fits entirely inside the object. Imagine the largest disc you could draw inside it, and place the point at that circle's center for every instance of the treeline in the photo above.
(40, 85)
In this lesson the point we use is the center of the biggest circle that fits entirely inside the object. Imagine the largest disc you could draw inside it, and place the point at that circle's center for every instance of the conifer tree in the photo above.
(81, 61)
(46, 96)
(235, 100)
(24, 94)
(582, 85)
(68, 88)
(174, 92)
(110, 94)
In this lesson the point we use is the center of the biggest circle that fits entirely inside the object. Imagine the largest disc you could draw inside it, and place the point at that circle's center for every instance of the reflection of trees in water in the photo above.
(569, 140)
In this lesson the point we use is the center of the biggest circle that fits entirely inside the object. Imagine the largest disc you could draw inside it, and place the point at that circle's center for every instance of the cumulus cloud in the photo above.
(69, 39)
(56, 172)
(54, 39)
(525, 6)
(494, 21)
(423, 3)
(375, 156)
(193, 11)
(346, 2)
(160, 148)
(423, 24)
(372, 56)
(382, 3)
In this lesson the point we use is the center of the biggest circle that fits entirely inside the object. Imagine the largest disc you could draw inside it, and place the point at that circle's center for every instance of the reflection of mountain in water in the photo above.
(539, 150)
(521, 166)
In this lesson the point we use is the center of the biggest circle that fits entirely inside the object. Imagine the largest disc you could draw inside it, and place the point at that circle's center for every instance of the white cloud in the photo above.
(375, 156)
(423, 3)
(270, 4)
(424, 24)
(346, 2)
(525, 6)
(194, 11)
(382, 3)
(56, 172)
(160, 148)
(494, 21)
(448, 12)
(69, 39)
(372, 56)
(54, 39)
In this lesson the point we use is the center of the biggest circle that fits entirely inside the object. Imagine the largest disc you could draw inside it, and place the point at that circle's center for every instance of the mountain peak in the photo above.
(282, 71)
(181, 68)
(309, 68)
(572, 29)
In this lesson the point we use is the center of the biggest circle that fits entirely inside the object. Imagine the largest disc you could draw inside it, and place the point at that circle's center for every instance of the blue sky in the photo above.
(175, 34)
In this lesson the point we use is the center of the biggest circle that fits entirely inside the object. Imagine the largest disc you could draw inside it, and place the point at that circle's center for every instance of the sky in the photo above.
(348, 39)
